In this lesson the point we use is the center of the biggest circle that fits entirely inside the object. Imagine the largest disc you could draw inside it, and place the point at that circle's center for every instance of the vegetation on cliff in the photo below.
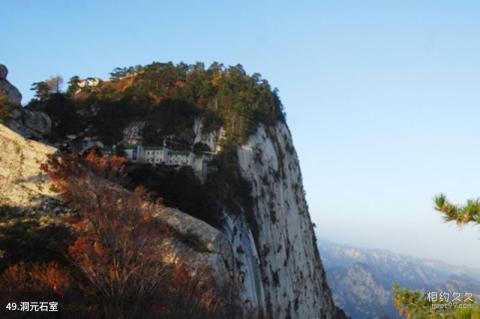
(166, 96)
(104, 259)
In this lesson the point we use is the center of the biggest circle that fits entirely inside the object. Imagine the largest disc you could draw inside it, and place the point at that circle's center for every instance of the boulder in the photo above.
(37, 121)
(7, 89)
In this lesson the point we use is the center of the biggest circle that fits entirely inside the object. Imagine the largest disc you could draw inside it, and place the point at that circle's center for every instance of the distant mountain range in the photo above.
(361, 279)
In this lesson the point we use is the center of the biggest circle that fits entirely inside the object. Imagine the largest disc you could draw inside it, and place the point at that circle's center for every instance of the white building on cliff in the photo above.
(161, 155)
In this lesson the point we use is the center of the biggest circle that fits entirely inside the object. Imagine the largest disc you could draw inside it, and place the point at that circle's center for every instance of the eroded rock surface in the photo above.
(22, 182)
(281, 247)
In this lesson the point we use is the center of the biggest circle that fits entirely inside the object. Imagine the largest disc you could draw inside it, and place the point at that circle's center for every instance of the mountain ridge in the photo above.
(433, 261)
(361, 278)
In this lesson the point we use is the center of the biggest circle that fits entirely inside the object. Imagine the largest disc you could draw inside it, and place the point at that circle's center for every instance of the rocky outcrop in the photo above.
(22, 182)
(28, 123)
(7, 89)
(211, 138)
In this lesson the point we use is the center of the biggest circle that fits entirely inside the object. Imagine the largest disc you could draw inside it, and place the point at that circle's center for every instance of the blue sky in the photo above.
(382, 97)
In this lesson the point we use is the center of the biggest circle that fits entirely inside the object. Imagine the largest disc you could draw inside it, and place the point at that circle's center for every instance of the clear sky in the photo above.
(382, 97)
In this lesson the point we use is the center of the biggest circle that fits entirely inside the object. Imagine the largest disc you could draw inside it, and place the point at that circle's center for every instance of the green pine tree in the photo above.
(416, 305)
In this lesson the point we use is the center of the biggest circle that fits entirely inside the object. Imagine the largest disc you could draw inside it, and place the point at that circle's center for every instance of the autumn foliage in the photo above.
(116, 267)
(416, 305)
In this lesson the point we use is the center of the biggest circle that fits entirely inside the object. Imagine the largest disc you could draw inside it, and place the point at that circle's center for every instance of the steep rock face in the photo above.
(211, 138)
(6, 88)
(277, 256)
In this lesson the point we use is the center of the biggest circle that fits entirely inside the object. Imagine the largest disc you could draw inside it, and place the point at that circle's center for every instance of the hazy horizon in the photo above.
(381, 98)
(341, 243)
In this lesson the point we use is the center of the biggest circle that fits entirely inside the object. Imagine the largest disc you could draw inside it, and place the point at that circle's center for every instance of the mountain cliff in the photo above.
(289, 266)
(214, 143)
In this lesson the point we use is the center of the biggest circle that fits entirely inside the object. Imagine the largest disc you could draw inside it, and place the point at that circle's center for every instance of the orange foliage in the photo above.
(118, 250)
(21, 279)
(217, 79)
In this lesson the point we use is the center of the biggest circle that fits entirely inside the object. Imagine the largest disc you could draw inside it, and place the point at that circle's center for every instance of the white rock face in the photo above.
(284, 253)
(219, 257)
(132, 133)
(25, 122)
(246, 265)
(211, 138)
